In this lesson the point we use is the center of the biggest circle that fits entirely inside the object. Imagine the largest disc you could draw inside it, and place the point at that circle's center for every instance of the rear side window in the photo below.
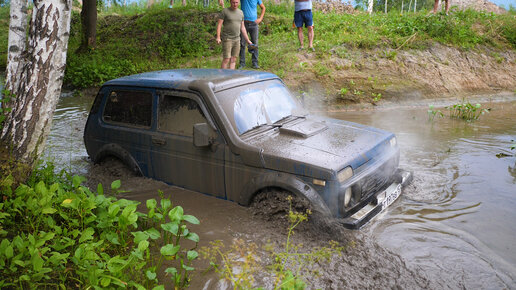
(177, 115)
(129, 107)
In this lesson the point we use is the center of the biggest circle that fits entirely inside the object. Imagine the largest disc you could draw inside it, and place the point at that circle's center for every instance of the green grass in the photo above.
(4, 32)
(134, 39)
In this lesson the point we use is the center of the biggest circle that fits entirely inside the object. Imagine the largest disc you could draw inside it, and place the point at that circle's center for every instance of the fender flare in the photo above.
(120, 153)
(287, 182)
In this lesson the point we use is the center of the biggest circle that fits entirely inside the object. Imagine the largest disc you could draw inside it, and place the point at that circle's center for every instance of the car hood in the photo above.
(319, 147)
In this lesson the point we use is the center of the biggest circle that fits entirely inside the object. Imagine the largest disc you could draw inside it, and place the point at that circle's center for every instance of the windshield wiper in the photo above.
(285, 120)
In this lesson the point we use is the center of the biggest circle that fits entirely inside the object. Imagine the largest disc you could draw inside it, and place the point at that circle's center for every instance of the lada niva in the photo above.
(233, 134)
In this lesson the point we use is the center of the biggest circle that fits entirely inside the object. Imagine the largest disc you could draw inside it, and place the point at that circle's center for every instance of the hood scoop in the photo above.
(303, 129)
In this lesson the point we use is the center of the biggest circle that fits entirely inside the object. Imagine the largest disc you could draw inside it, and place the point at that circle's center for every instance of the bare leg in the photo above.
(436, 3)
(300, 36)
(232, 62)
(225, 62)
(310, 36)
(447, 6)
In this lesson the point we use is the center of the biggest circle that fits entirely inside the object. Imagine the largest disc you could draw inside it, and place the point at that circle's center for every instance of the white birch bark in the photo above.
(16, 42)
(40, 76)
(385, 6)
(370, 7)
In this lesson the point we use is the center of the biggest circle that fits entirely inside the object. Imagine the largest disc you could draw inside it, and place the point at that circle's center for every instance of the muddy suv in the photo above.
(234, 134)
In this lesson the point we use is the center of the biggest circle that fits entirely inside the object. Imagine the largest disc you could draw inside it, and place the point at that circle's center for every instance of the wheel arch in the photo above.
(116, 151)
(287, 182)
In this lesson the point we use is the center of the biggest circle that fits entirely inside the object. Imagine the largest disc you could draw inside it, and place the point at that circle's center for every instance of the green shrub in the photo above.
(56, 233)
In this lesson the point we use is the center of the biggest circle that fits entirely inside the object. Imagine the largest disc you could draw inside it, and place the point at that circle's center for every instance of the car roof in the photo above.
(218, 79)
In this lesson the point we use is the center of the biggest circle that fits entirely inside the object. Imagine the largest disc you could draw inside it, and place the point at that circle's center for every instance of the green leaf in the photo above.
(143, 245)
(128, 210)
(37, 262)
(132, 218)
(9, 251)
(171, 270)
(192, 237)
(41, 189)
(100, 189)
(87, 235)
(151, 204)
(77, 180)
(191, 255)
(191, 219)
(169, 250)
(116, 264)
(105, 281)
(151, 275)
(188, 268)
(170, 227)
(153, 233)
(112, 237)
(116, 184)
(165, 203)
(139, 236)
(113, 209)
(176, 214)
(159, 287)
(48, 210)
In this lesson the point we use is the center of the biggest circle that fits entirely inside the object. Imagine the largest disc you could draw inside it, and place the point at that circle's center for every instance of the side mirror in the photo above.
(201, 135)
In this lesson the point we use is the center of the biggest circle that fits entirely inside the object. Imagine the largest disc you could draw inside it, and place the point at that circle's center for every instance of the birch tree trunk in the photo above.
(34, 75)
(16, 45)
(370, 7)
(385, 6)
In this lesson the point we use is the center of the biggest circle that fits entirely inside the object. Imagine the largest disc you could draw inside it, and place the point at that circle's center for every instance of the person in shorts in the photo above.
(447, 6)
(230, 26)
(303, 15)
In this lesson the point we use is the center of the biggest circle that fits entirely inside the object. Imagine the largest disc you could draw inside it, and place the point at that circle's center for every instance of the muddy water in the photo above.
(457, 219)
(453, 227)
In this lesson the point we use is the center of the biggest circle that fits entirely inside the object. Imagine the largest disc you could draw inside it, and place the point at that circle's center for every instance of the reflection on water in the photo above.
(455, 222)
(65, 145)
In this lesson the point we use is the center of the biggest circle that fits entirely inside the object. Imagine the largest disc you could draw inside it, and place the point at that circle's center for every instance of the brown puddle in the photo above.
(453, 227)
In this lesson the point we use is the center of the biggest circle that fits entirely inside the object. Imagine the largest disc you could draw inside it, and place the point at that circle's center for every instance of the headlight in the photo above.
(347, 197)
(345, 174)
(393, 141)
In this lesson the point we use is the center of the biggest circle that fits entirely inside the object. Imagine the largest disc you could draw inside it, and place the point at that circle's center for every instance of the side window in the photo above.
(129, 107)
(178, 115)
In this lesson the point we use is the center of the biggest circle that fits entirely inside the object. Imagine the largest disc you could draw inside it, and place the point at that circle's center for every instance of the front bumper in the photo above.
(378, 202)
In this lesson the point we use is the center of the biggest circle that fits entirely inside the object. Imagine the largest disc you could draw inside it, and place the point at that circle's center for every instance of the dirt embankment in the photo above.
(358, 76)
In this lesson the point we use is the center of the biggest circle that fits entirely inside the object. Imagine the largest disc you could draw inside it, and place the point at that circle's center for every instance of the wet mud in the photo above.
(452, 227)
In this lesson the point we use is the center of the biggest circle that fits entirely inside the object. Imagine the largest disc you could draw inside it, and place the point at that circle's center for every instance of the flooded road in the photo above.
(453, 227)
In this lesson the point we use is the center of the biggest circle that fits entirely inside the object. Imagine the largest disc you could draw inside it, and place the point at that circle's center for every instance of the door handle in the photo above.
(158, 141)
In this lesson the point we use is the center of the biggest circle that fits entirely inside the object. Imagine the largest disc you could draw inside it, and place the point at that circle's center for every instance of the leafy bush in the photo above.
(57, 233)
(466, 111)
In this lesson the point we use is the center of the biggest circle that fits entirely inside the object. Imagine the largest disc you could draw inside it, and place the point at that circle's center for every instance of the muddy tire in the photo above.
(274, 204)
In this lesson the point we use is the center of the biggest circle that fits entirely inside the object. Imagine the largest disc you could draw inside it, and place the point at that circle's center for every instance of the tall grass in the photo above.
(135, 38)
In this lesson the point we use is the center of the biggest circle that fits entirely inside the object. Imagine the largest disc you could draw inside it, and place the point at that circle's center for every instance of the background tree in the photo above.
(35, 69)
(89, 25)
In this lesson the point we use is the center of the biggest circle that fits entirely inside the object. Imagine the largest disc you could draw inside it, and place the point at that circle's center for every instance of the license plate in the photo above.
(391, 194)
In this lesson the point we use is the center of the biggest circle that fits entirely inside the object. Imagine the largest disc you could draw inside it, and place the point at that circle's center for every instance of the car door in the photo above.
(175, 158)
(126, 124)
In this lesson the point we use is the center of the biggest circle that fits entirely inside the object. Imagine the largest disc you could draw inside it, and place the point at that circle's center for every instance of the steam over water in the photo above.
(455, 224)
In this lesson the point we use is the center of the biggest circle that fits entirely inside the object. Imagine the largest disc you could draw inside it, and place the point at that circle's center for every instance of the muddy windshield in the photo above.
(258, 104)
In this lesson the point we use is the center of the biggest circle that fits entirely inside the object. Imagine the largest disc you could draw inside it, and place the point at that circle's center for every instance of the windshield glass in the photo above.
(257, 104)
